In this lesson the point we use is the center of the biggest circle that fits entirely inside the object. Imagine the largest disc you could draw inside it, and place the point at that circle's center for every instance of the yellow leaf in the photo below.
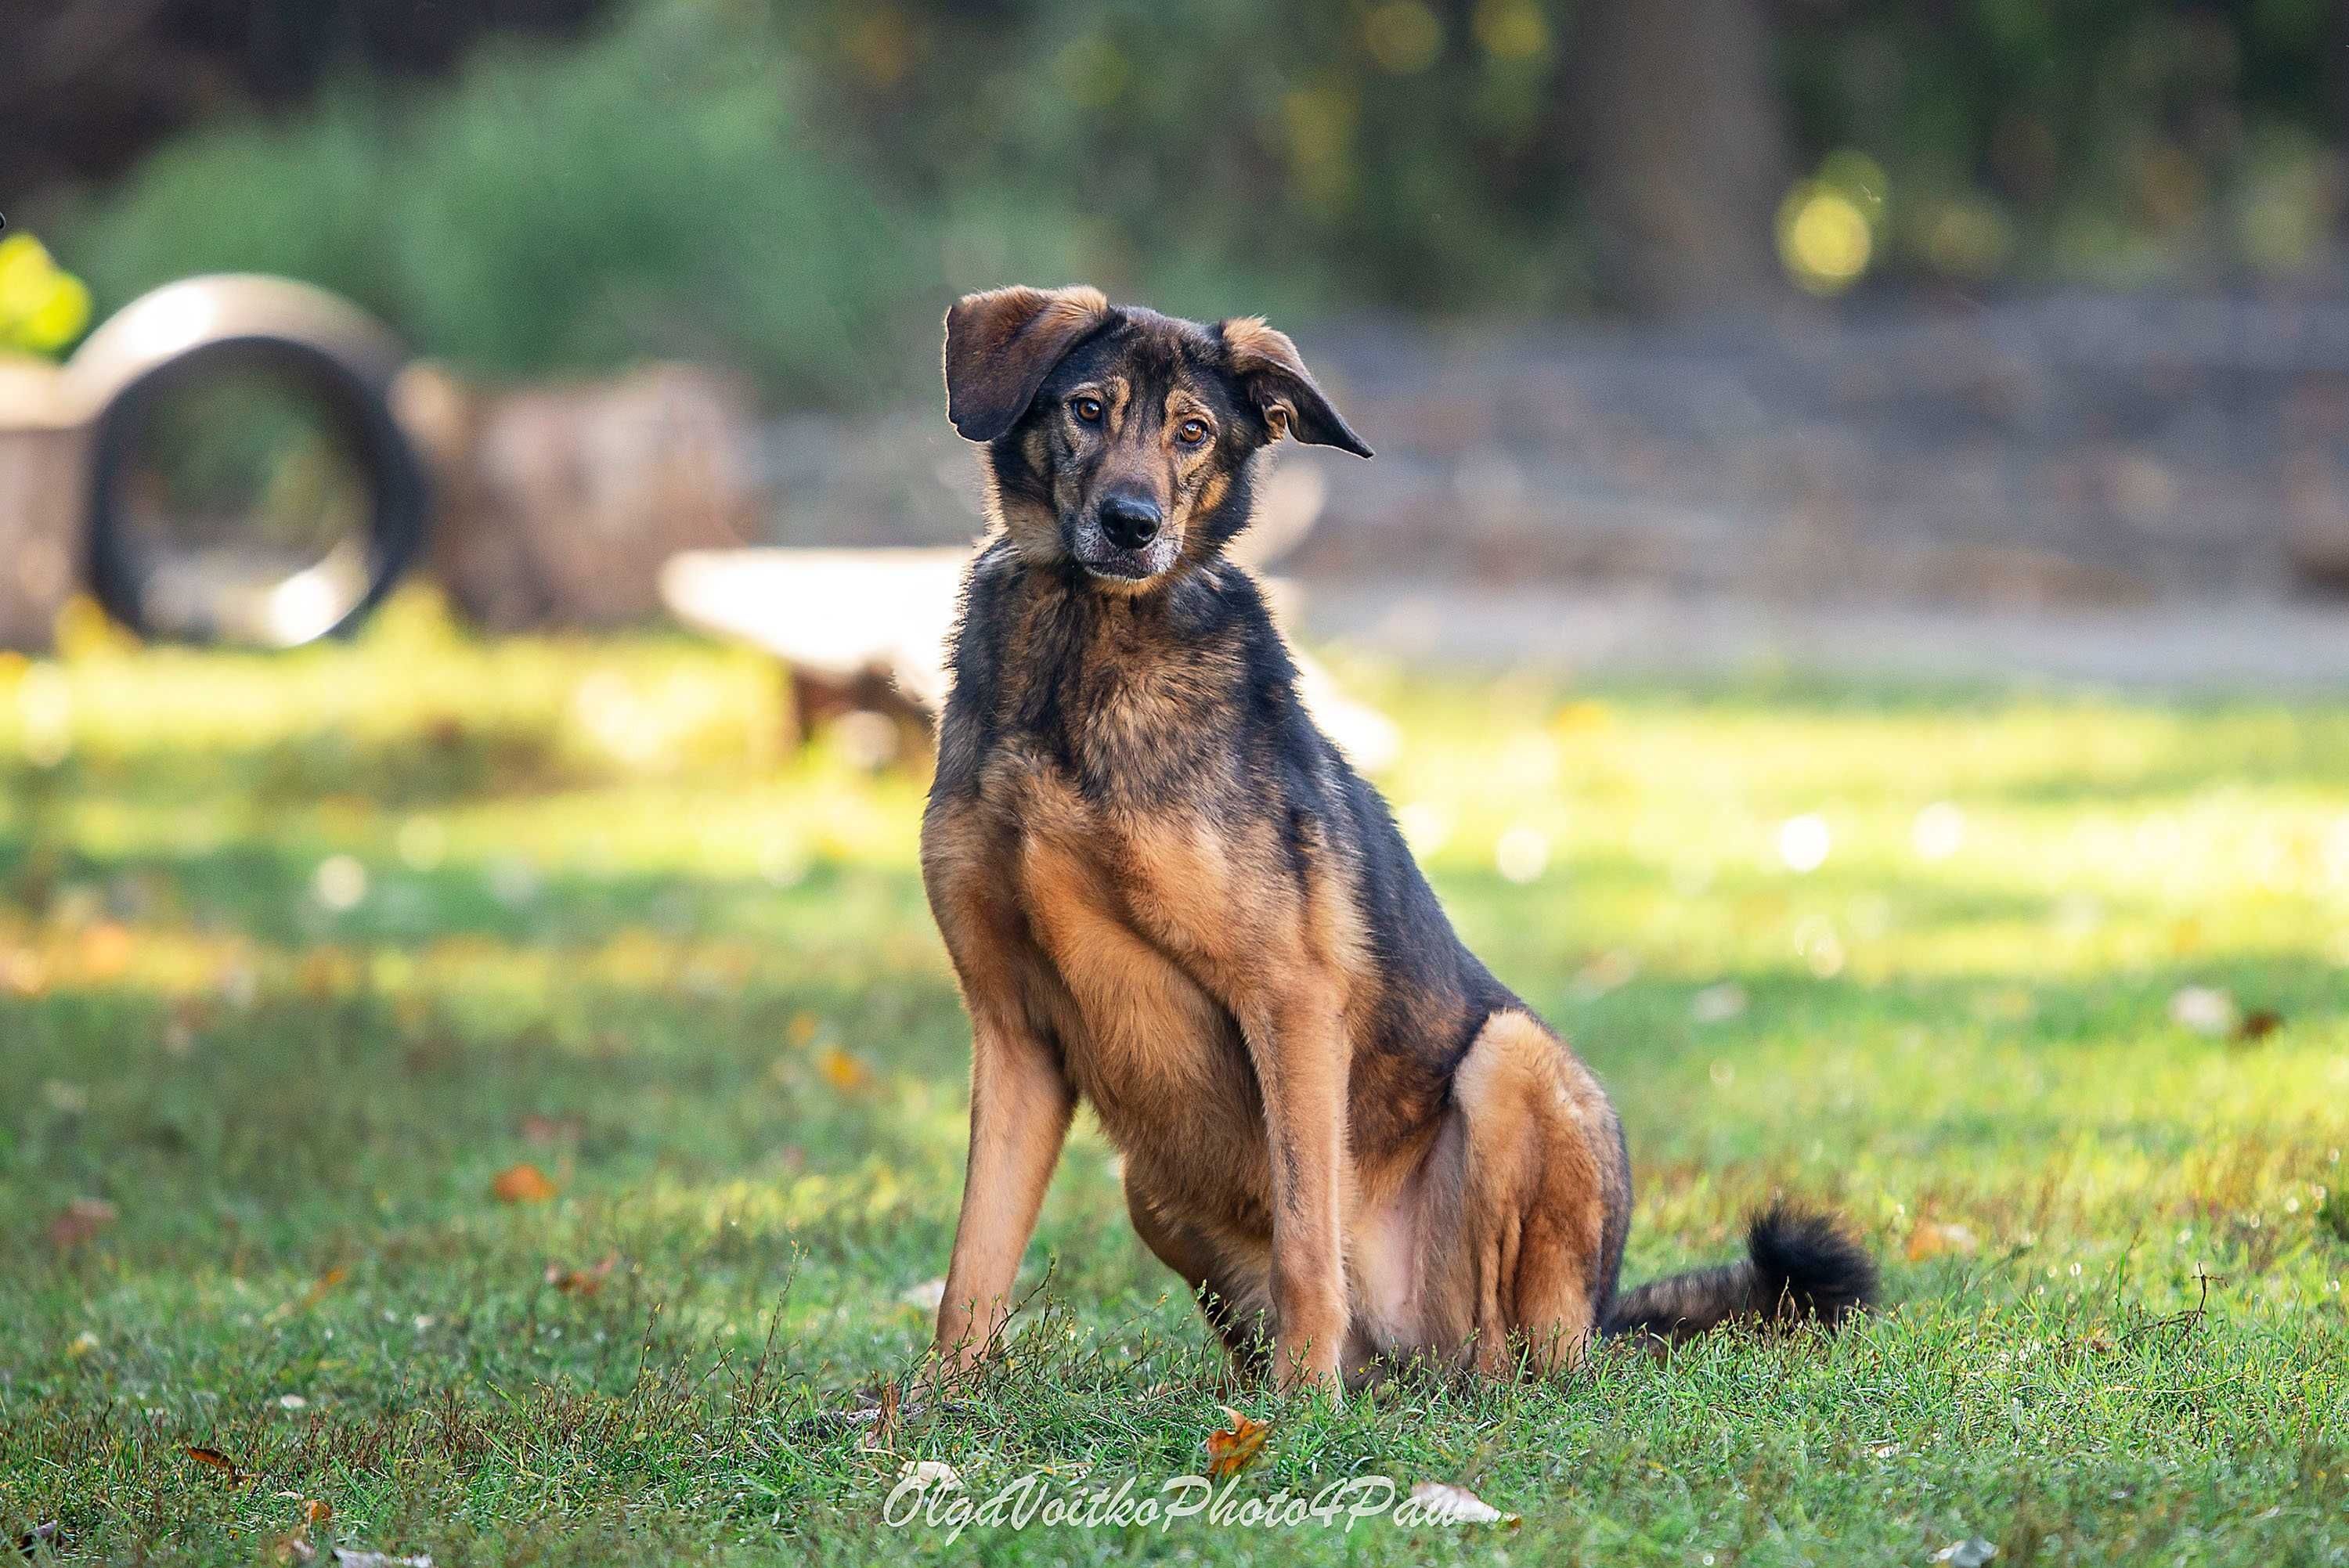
(840, 1070)
(58, 315)
(106, 948)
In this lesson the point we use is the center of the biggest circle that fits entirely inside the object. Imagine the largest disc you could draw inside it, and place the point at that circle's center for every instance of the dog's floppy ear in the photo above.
(1267, 364)
(1000, 346)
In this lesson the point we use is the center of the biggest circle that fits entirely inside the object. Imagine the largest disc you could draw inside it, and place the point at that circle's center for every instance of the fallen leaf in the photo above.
(106, 949)
(2203, 1009)
(45, 1533)
(326, 973)
(1610, 971)
(884, 1430)
(1970, 1552)
(83, 1219)
(1231, 1449)
(1441, 1503)
(24, 973)
(2257, 1025)
(927, 1474)
(840, 1070)
(298, 1547)
(546, 1129)
(582, 1282)
(232, 1472)
(524, 1183)
(1932, 1240)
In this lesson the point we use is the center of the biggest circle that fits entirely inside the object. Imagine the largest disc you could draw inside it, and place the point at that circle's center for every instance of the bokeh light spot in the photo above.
(1804, 842)
(1403, 35)
(1513, 31)
(1824, 238)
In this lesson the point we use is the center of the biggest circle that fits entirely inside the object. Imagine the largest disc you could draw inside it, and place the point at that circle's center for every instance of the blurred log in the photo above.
(557, 506)
(44, 450)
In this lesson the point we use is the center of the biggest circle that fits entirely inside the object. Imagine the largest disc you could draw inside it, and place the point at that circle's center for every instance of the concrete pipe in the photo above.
(338, 361)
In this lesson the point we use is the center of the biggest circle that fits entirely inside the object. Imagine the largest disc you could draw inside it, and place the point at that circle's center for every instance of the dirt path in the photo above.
(2224, 645)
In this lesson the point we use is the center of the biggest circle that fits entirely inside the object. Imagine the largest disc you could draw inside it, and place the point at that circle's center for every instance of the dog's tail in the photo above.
(1798, 1267)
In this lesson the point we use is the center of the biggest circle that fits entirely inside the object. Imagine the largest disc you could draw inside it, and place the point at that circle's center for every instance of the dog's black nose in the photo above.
(1130, 522)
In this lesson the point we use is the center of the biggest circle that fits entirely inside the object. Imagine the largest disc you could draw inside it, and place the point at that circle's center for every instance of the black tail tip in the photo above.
(1807, 1266)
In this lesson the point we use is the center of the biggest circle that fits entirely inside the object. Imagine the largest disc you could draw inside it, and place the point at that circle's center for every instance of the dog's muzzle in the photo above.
(1125, 539)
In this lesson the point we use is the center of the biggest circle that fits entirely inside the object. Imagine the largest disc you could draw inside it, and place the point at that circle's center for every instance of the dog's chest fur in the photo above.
(1119, 910)
(1091, 778)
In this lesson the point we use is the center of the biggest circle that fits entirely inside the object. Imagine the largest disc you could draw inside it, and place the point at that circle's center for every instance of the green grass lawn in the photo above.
(298, 954)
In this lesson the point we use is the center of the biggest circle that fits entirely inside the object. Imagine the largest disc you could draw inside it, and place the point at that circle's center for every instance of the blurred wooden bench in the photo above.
(857, 631)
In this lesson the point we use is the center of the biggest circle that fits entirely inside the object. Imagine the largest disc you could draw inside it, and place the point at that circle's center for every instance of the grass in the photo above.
(297, 955)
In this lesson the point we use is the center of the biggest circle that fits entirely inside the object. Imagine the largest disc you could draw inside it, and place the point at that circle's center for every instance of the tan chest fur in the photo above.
(1131, 917)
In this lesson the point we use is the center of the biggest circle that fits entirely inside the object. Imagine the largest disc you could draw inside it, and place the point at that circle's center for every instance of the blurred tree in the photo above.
(1687, 156)
(88, 85)
(795, 185)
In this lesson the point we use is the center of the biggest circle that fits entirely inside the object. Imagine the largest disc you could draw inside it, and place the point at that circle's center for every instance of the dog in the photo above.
(1165, 894)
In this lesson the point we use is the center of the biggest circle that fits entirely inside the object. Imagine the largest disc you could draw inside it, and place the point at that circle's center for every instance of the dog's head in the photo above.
(1118, 439)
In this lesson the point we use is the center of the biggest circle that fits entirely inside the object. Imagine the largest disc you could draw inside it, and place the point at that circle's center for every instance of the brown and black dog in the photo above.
(1166, 893)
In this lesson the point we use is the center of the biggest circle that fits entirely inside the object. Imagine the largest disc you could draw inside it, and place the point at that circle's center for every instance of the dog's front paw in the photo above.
(1305, 1365)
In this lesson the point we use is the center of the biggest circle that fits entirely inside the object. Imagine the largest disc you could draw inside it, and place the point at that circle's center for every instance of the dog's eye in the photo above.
(1191, 432)
(1087, 409)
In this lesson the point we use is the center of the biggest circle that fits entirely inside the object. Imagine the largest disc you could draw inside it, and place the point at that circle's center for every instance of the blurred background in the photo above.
(1952, 336)
(1851, 609)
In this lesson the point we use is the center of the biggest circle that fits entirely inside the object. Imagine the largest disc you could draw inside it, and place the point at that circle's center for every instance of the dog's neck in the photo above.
(1129, 687)
(1065, 625)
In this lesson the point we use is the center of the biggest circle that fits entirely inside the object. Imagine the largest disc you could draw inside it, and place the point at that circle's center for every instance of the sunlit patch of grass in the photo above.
(298, 953)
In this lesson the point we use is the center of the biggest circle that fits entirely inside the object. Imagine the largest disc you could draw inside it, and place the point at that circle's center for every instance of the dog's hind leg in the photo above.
(1534, 1204)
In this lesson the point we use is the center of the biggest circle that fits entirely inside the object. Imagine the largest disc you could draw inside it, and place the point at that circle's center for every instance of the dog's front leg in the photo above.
(1020, 1103)
(1298, 1043)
